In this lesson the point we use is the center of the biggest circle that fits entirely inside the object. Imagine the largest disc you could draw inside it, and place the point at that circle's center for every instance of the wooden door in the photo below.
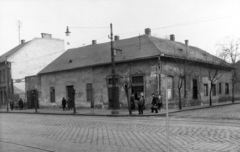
(195, 89)
(70, 95)
(112, 105)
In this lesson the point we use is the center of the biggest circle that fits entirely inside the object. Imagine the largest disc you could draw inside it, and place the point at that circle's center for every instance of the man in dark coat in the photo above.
(132, 102)
(154, 103)
(64, 102)
(141, 104)
(20, 104)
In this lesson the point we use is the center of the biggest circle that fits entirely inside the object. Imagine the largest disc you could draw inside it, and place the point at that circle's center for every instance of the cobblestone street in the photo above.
(25, 132)
(229, 112)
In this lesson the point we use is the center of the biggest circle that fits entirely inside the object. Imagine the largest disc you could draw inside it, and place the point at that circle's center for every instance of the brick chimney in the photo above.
(148, 31)
(46, 35)
(186, 42)
(22, 41)
(116, 37)
(172, 37)
(94, 42)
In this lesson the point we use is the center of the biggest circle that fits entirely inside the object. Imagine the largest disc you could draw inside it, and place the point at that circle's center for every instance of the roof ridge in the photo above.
(160, 52)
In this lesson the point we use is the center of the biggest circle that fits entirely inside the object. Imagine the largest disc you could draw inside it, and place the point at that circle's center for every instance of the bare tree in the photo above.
(127, 86)
(182, 57)
(214, 70)
(229, 50)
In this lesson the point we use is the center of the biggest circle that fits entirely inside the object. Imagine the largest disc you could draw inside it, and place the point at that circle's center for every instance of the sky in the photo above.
(204, 23)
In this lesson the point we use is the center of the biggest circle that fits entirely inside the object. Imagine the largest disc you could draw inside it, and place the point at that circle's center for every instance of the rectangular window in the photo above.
(89, 91)
(205, 89)
(226, 88)
(137, 80)
(4, 76)
(52, 94)
(214, 89)
(220, 88)
(111, 82)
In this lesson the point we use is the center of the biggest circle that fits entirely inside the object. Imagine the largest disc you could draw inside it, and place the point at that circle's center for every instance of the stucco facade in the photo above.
(153, 79)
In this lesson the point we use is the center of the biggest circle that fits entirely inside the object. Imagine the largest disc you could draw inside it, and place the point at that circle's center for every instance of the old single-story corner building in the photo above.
(147, 63)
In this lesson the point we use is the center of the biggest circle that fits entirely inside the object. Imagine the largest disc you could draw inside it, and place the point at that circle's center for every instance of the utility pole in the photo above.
(113, 74)
(19, 27)
(7, 92)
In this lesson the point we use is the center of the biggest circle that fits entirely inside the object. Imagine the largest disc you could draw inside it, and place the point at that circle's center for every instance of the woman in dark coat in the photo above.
(64, 102)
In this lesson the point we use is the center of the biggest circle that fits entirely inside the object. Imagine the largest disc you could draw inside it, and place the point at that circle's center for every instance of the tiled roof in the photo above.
(132, 48)
(8, 54)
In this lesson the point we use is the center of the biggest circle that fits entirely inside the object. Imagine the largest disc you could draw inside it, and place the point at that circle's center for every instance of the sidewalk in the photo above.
(106, 112)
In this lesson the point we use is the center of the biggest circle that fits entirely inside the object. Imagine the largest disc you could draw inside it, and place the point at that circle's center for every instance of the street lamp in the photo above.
(113, 93)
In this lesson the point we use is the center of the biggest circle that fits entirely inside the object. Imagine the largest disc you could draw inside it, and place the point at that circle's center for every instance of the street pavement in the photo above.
(68, 133)
(228, 112)
(124, 112)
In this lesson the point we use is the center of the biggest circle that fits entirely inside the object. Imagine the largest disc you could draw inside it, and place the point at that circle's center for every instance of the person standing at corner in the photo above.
(64, 102)
(141, 104)
(154, 103)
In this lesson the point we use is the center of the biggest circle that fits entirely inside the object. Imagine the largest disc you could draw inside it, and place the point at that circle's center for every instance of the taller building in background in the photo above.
(26, 59)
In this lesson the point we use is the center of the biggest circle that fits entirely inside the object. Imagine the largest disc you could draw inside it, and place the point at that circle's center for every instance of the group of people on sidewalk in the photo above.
(156, 103)
(66, 104)
(17, 105)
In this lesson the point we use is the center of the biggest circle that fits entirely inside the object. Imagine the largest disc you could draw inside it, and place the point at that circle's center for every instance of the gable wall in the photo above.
(34, 57)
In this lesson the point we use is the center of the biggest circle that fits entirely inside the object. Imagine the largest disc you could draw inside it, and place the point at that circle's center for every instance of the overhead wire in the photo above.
(131, 33)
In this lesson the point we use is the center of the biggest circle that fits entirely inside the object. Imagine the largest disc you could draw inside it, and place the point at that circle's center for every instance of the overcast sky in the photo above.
(203, 22)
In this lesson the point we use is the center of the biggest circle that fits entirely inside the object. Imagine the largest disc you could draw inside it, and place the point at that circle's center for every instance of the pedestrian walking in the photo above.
(20, 104)
(154, 104)
(132, 102)
(64, 102)
(141, 104)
